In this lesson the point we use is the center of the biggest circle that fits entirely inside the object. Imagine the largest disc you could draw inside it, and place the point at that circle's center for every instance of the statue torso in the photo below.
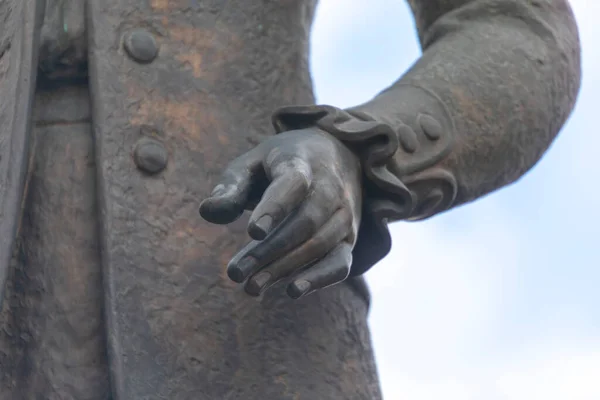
(151, 314)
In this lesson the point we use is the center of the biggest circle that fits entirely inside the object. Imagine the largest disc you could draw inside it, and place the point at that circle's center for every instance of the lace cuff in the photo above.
(401, 142)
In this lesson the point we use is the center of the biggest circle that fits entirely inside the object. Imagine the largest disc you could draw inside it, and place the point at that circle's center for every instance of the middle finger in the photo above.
(291, 233)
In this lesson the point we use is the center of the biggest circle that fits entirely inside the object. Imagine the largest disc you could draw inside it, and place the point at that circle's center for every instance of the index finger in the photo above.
(230, 196)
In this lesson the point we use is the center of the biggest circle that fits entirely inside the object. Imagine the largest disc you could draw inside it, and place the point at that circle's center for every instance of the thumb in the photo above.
(231, 194)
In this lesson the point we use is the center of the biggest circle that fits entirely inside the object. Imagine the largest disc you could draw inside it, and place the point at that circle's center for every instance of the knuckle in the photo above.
(270, 204)
(332, 195)
(302, 178)
(314, 213)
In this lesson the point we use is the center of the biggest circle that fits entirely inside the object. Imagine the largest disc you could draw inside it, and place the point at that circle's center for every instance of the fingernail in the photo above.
(219, 190)
(261, 228)
(257, 283)
(299, 288)
(241, 269)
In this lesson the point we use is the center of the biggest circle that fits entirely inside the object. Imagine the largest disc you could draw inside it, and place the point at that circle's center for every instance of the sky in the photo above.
(498, 299)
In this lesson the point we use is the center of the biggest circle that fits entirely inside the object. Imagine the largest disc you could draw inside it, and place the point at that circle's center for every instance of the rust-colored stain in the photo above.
(224, 257)
(220, 45)
(472, 109)
(281, 380)
(165, 5)
(192, 61)
(191, 36)
(190, 119)
(223, 139)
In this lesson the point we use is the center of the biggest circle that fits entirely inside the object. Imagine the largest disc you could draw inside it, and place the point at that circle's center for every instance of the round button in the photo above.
(150, 156)
(431, 127)
(141, 46)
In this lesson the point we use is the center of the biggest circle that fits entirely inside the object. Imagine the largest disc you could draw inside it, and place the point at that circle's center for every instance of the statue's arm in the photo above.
(496, 82)
(506, 71)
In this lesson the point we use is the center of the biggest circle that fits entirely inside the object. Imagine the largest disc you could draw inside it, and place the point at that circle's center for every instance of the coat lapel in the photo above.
(20, 26)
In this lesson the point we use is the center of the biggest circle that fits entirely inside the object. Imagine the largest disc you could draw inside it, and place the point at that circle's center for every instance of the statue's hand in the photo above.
(308, 188)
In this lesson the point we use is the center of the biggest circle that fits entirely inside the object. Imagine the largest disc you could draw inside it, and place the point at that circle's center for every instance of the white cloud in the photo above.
(433, 295)
(559, 375)
(447, 317)
(552, 375)
(347, 51)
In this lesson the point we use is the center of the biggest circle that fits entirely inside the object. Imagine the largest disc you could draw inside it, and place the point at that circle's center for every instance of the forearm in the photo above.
(500, 76)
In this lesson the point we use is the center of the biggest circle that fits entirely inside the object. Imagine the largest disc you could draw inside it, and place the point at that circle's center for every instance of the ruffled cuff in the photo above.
(397, 154)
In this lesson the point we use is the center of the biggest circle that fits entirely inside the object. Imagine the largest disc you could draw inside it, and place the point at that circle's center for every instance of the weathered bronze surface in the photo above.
(19, 37)
(52, 335)
(117, 289)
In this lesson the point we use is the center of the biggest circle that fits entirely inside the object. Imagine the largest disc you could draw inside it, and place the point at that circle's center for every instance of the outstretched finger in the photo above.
(289, 187)
(295, 230)
(327, 238)
(333, 268)
(237, 269)
(229, 197)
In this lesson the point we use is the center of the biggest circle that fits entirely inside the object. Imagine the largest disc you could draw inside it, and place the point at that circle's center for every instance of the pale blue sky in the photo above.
(499, 299)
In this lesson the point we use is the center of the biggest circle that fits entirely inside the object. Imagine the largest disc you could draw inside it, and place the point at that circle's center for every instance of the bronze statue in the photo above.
(117, 117)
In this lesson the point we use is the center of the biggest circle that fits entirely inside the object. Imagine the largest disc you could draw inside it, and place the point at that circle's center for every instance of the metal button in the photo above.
(431, 127)
(141, 46)
(408, 139)
(150, 156)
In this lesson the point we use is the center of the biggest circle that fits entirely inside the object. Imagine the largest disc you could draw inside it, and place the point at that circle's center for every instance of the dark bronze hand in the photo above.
(306, 186)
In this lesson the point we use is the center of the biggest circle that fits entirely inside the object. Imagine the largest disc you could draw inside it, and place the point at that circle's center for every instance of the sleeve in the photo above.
(495, 84)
